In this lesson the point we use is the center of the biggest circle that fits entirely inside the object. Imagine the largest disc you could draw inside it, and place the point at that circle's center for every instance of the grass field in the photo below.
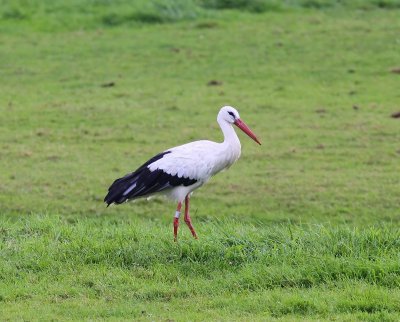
(304, 227)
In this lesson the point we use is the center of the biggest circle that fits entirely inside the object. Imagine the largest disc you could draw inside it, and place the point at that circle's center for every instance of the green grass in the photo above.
(303, 227)
(99, 268)
(47, 15)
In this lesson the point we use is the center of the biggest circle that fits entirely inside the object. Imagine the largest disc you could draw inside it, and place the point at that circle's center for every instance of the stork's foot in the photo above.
(188, 222)
(176, 225)
(176, 220)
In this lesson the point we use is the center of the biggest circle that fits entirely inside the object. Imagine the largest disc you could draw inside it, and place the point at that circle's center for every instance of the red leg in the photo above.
(188, 220)
(176, 220)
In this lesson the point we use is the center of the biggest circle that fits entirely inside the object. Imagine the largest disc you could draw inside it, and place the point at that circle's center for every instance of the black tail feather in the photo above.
(116, 190)
(144, 182)
(140, 177)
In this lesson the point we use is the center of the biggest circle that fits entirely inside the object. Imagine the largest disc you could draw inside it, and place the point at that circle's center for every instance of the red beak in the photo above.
(241, 125)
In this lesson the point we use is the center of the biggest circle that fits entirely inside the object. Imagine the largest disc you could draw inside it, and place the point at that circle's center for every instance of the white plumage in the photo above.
(178, 171)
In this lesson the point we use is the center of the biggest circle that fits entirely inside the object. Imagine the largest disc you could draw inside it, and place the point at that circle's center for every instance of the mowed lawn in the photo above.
(303, 227)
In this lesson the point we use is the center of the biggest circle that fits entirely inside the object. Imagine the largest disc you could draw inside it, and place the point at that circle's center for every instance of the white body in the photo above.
(200, 160)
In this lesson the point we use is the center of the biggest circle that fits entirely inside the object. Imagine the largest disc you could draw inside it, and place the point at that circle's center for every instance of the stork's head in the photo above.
(231, 115)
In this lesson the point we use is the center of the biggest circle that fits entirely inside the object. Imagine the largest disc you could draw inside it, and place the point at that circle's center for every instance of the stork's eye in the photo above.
(231, 114)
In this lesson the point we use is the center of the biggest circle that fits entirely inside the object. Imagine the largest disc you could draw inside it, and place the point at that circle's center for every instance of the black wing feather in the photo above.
(147, 182)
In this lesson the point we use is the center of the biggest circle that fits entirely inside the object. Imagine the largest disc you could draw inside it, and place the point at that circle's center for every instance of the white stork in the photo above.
(178, 171)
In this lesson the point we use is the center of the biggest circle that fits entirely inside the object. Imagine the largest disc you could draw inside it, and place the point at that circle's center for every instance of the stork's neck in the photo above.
(230, 136)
